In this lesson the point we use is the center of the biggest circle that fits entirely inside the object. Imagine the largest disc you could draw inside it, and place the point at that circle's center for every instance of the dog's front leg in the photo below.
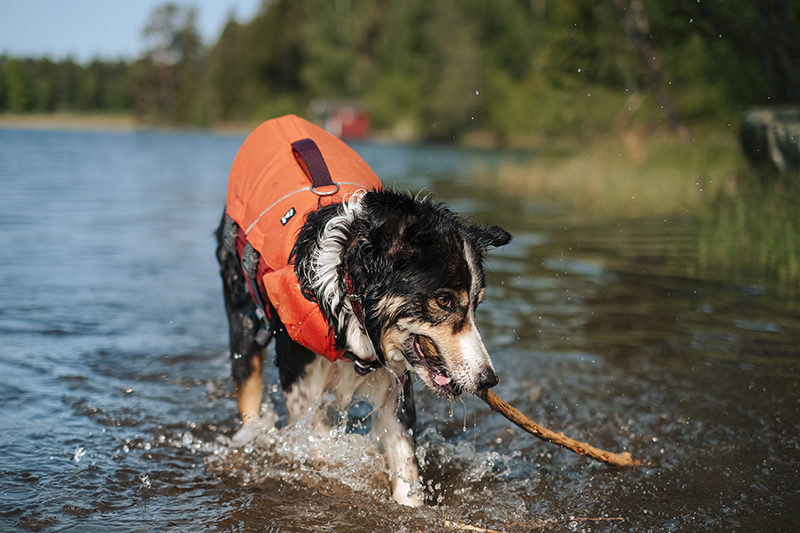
(250, 389)
(398, 449)
(247, 355)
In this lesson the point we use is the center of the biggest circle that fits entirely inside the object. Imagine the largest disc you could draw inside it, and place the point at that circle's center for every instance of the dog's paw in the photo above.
(245, 434)
(251, 431)
(404, 494)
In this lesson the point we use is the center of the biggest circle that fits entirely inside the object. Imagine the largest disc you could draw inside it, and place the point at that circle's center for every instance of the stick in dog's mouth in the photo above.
(427, 353)
(581, 448)
(429, 356)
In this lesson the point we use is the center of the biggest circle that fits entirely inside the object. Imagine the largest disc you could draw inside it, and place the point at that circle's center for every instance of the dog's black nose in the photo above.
(487, 379)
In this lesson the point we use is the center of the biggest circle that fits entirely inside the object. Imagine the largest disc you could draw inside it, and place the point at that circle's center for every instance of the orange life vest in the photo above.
(270, 194)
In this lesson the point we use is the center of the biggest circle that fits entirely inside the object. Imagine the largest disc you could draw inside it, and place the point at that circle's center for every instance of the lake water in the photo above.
(116, 401)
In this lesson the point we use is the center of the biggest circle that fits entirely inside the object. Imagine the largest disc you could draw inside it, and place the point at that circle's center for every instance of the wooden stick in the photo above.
(581, 448)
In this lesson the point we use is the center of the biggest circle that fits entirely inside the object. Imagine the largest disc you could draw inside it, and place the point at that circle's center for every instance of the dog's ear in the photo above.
(389, 232)
(486, 236)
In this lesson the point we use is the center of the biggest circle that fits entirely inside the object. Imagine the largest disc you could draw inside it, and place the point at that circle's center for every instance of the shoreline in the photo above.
(126, 123)
(100, 122)
(69, 122)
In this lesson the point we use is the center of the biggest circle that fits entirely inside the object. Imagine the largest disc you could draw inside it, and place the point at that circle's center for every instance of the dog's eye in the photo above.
(444, 301)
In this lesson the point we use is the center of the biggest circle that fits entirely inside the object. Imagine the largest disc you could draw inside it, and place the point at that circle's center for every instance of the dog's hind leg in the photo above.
(247, 356)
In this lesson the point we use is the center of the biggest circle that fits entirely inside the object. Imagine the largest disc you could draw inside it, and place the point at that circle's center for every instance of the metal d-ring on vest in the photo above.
(310, 159)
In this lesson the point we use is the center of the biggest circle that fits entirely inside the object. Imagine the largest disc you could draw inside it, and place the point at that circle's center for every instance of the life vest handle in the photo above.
(310, 159)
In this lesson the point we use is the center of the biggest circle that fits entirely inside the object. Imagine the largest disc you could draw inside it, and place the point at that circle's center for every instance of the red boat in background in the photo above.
(346, 120)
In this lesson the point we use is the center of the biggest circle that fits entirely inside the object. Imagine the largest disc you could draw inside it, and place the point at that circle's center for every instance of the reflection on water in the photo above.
(117, 404)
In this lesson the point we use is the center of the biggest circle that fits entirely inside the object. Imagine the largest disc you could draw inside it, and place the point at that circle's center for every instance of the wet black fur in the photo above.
(243, 324)
(403, 246)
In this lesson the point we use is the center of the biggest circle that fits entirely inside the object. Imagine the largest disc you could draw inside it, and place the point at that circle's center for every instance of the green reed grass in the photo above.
(747, 223)
(751, 233)
(628, 176)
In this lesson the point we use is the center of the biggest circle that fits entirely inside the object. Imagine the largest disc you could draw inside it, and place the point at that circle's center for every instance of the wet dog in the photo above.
(396, 279)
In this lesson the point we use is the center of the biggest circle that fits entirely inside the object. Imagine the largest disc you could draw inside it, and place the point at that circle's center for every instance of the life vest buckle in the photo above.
(263, 336)
(250, 259)
(230, 233)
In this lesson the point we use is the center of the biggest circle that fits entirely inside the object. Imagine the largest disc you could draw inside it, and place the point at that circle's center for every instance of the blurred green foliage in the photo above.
(508, 70)
(750, 231)
(41, 85)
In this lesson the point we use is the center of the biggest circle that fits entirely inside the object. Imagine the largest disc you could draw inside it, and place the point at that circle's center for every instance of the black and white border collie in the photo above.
(418, 272)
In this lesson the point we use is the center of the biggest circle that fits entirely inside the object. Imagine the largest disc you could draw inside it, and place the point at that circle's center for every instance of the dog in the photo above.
(361, 288)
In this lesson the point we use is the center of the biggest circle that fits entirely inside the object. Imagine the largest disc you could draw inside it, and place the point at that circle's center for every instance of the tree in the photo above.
(228, 75)
(634, 21)
(453, 80)
(766, 33)
(332, 35)
(18, 84)
(175, 48)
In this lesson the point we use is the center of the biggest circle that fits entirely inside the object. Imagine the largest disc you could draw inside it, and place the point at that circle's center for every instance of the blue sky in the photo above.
(110, 29)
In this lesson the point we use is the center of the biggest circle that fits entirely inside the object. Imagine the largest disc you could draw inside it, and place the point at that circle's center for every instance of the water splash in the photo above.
(80, 451)
(301, 453)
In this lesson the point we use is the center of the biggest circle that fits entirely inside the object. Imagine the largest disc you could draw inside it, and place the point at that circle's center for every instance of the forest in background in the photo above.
(507, 72)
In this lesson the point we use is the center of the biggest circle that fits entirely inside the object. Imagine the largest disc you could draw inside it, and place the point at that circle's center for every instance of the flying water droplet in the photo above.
(80, 451)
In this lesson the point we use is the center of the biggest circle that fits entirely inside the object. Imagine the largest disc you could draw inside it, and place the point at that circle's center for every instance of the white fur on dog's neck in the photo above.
(325, 262)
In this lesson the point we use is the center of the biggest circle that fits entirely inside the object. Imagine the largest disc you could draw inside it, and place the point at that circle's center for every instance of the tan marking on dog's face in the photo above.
(389, 307)
(448, 309)
(435, 334)
(451, 341)
(479, 298)
(393, 344)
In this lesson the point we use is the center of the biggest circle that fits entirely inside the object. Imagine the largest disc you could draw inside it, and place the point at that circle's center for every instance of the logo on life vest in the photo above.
(288, 216)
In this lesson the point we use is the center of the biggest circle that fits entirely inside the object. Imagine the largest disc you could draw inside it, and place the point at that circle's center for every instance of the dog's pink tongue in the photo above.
(441, 380)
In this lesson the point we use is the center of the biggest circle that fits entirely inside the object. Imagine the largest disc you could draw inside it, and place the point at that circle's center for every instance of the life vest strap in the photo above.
(249, 259)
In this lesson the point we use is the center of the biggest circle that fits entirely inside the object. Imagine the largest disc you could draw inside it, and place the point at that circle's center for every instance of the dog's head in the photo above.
(419, 270)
